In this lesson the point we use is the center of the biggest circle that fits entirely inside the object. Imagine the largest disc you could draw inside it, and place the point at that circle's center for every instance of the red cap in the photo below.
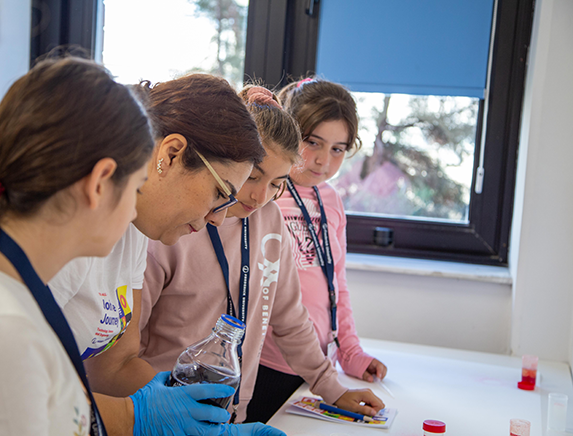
(434, 426)
(526, 386)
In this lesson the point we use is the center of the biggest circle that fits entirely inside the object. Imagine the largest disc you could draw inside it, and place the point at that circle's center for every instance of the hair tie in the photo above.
(2, 189)
(303, 81)
(261, 96)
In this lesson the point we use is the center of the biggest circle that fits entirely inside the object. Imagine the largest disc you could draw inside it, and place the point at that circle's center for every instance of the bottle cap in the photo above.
(526, 386)
(434, 426)
(232, 321)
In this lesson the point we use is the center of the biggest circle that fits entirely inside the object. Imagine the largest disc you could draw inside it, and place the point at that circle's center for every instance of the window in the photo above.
(412, 191)
(63, 22)
(146, 39)
(416, 160)
(430, 145)
(422, 71)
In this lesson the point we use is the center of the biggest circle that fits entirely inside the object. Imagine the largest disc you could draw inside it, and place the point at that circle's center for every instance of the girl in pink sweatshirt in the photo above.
(326, 114)
(185, 289)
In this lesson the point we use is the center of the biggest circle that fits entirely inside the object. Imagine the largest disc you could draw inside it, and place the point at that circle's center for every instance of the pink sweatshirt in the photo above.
(184, 294)
(314, 287)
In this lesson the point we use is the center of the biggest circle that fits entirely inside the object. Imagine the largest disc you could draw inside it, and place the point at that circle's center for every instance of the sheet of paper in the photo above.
(308, 406)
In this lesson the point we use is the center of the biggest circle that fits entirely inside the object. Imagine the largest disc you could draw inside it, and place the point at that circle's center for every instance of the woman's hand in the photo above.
(162, 410)
(253, 429)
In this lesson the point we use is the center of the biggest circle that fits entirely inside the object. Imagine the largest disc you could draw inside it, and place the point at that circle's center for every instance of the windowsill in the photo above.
(433, 268)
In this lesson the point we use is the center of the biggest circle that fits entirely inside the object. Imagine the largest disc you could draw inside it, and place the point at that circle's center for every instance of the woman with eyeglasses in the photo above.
(246, 269)
(206, 146)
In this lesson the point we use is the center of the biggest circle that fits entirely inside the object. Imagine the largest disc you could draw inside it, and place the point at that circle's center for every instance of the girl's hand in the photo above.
(375, 369)
(361, 401)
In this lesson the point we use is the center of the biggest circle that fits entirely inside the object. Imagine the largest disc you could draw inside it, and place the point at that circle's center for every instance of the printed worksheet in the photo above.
(309, 406)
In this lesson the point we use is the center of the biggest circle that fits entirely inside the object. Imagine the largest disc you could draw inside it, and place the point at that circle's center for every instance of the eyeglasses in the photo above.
(224, 187)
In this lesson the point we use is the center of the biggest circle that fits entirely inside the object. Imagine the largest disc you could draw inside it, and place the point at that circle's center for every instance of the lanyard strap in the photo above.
(324, 254)
(54, 317)
(244, 282)
(245, 270)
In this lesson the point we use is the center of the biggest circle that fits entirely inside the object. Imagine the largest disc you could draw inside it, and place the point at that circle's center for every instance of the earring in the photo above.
(159, 170)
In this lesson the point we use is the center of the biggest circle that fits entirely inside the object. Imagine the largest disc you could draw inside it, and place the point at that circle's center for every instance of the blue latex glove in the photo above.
(161, 410)
(255, 429)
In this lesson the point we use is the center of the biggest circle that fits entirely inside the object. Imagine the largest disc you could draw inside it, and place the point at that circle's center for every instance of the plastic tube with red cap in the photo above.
(432, 427)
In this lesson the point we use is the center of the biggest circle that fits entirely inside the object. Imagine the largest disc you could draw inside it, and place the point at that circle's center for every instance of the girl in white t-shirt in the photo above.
(73, 149)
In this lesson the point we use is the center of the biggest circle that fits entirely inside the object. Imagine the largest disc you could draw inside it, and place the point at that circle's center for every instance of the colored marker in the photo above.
(333, 409)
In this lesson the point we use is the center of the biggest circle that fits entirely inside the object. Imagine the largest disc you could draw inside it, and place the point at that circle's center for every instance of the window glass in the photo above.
(416, 159)
(158, 41)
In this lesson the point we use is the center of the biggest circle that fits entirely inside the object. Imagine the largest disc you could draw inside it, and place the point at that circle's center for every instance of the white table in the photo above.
(473, 393)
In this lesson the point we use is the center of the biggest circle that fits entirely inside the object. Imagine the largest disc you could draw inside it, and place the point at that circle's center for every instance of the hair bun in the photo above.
(261, 96)
(303, 81)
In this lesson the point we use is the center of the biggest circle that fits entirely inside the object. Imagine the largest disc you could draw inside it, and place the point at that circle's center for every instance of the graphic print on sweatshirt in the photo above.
(303, 248)
(117, 315)
(270, 269)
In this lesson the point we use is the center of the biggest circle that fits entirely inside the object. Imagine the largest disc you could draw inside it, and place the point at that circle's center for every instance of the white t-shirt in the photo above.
(41, 393)
(96, 293)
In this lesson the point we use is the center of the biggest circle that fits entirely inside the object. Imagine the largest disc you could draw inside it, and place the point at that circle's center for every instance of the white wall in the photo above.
(15, 25)
(535, 314)
(542, 258)
(431, 310)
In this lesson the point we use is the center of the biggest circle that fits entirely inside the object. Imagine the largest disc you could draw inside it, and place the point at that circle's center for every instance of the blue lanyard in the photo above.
(324, 254)
(244, 282)
(54, 317)
(245, 270)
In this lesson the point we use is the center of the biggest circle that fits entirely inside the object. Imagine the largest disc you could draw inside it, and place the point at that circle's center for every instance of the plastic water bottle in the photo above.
(212, 360)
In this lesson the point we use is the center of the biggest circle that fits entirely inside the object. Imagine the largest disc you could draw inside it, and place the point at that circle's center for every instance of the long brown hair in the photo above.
(209, 114)
(312, 101)
(57, 122)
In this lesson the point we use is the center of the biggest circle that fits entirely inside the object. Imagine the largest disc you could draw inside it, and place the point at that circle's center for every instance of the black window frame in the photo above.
(60, 23)
(281, 45)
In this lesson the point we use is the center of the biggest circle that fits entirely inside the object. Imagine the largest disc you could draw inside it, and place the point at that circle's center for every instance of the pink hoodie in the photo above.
(314, 287)
(184, 294)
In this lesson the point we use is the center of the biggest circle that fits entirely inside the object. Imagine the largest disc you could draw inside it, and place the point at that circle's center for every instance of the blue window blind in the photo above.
(424, 47)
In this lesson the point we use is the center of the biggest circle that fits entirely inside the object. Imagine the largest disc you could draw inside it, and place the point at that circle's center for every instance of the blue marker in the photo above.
(333, 409)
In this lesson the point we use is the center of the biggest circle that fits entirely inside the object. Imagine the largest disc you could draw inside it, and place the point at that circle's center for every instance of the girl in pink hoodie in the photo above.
(326, 114)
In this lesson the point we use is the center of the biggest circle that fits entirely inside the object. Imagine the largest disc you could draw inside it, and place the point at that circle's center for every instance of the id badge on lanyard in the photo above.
(324, 256)
(332, 352)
